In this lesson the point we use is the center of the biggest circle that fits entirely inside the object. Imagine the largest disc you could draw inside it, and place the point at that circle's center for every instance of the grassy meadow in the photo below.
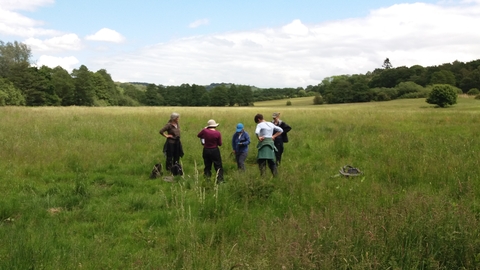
(76, 192)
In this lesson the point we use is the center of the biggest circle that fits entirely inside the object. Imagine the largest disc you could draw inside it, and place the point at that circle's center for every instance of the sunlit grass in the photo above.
(294, 102)
(76, 192)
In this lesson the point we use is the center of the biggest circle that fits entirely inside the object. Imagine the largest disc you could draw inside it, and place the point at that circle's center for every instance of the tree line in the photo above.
(22, 83)
(390, 83)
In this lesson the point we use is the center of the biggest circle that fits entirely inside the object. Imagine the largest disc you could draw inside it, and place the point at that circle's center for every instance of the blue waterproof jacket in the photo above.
(240, 142)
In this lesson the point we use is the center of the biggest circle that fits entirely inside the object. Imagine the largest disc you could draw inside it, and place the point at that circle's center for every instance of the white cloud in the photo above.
(15, 24)
(68, 63)
(296, 54)
(300, 55)
(295, 28)
(108, 35)
(67, 42)
(23, 4)
(198, 23)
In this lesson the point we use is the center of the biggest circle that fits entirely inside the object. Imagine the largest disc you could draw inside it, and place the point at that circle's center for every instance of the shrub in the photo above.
(409, 90)
(429, 88)
(127, 101)
(289, 103)
(3, 97)
(442, 95)
(383, 93)
(10, 95)
(477, 96)
(421, 94)
(318, 99)
(473, 92)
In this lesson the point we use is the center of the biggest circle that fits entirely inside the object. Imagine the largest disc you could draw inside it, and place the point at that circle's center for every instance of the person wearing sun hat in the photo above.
(283, 138)
(240, 142)
(211, 153)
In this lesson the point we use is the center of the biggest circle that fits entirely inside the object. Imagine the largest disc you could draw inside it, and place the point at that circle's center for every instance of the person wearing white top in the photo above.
(266, 132)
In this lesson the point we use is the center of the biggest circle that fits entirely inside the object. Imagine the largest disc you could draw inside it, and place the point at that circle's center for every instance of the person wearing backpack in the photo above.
(212, 139)
(240, 142)
(283, 138)
(172, 148)
(266, 133)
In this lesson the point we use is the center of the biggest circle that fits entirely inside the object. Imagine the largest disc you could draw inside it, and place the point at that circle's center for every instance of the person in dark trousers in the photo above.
(266, 133)
(280, 140)
(172, 148)
(240, 142)
(211, 153)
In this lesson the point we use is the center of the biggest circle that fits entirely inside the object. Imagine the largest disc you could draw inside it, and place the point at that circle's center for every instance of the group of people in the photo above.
(271, 136)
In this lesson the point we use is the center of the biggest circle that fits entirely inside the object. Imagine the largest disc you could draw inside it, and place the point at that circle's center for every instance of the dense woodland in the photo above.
(23, 83)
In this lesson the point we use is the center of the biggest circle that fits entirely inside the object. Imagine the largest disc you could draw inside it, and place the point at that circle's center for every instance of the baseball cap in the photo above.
(239, 127)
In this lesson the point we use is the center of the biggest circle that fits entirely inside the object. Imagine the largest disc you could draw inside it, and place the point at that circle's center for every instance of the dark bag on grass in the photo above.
(348, 170)
(156, 171)
(177, 169)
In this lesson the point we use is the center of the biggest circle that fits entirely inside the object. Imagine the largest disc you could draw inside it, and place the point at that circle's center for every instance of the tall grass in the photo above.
(76, 192)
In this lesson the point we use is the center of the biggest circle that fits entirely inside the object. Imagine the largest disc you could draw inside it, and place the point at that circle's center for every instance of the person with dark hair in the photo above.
(240, 142)
(212, 139)
(172, 148)
(280, 140)
(266, 133)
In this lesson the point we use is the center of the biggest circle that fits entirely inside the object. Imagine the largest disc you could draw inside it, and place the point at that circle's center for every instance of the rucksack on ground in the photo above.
(177, 169)
(348, 170)
(156, 171)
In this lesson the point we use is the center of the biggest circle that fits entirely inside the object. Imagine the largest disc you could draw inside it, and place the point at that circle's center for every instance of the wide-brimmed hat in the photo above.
(275, 114)
(211, 123)
(239, 127)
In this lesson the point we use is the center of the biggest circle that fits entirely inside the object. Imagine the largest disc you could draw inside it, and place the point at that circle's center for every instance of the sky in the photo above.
(262, 43)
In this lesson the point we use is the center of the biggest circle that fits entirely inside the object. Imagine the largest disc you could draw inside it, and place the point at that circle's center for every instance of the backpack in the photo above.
(156, 171)
(177, 169)
(348, 170)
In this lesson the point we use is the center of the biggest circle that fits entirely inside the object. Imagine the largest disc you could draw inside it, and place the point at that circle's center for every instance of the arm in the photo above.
(165, 129)
(247, 139)
(219, 140)
(277, 131)
(257, 131)
(286, 128)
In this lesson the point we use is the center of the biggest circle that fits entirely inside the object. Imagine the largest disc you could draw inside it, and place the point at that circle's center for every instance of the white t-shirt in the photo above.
(266, 129)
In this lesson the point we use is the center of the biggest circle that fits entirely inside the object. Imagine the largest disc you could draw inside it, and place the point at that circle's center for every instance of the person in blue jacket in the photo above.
(240, 142)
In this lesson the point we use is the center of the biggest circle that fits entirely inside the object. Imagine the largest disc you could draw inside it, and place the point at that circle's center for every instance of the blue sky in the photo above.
(262, 43)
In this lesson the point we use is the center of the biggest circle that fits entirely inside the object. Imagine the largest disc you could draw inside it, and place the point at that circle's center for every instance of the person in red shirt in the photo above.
(211, 153)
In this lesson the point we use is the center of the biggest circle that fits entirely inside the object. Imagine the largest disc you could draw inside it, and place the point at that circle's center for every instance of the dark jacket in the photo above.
(286, 128)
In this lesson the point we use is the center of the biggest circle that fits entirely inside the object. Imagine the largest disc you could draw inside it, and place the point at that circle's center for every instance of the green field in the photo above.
(76, 192)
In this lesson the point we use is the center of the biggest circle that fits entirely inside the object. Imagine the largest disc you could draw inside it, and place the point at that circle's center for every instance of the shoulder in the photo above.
(166, 126)
(285, 125)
